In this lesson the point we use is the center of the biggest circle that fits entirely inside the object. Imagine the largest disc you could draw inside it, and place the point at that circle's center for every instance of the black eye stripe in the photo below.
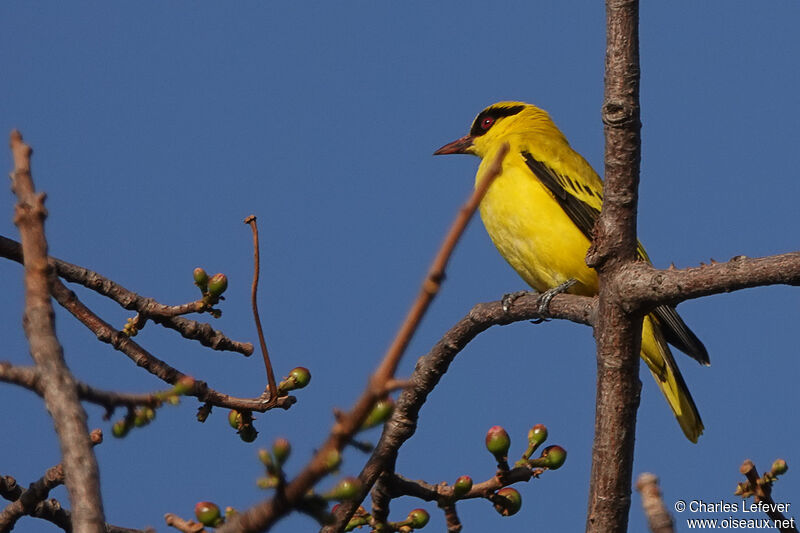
(493, 113)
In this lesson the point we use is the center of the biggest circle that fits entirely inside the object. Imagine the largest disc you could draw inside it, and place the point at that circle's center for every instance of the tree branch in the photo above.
(617, 332)
(431, 367)
(658, 518)
(261, 516)
(647, 287)
(158, 313)
(60, 392)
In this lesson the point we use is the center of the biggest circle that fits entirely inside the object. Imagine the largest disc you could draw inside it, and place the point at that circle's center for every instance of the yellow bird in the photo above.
(539, 213)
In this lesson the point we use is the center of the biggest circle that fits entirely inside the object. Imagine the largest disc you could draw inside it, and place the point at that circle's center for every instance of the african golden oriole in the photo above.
(539, 212)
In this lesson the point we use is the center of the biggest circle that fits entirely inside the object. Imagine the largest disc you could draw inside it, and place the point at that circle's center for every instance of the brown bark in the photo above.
(60, 389)
(617, 332)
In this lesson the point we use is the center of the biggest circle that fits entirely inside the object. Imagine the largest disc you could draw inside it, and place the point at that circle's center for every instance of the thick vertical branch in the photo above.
(617, 333)
(60, 389)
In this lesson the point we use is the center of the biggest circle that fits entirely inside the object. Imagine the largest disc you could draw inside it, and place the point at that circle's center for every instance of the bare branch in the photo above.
(27, 500)
(618, 333)
(647, 287)
(658, 518)
(158, 313)
(261, 516)
(762, 493)
(60, 396)
(431, 367)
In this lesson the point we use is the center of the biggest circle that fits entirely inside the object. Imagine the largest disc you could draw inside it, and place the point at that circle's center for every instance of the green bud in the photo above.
(120, 429)
(297, 379)
(508, 501)
(537, 435)
(265, 458)
(380, 413)
(555, 456)
(267, 482)
(207, 513)
(184, 385)
(200, 278)
(462, 486)
(498, 441)
(332, 460)
(347, 489)
(140, 418)
(281, 448)
(235, 419)
(418, 518)
(355, 522)
(217, 285)
(779, 467)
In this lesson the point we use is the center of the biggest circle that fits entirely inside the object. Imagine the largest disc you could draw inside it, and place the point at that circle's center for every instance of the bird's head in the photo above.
(495, 124)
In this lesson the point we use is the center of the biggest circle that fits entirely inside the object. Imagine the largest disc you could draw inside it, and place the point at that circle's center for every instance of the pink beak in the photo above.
(459, 146)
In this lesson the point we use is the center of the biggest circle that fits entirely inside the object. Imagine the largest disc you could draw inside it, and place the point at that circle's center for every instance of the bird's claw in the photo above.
(544, 299)
(508, 299)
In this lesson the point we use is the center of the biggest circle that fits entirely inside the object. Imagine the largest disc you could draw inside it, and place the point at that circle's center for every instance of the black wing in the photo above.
(675, 330)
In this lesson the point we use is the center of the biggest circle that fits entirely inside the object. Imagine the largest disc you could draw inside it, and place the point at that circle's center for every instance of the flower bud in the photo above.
(779, 467)
(380, 413)
(332, 460)
(418, 518)
(281, 449)
(217, 285)
(555, 456)
(200, 278)
(462, 486)
(207, 513)
(498, 441)
(347, 489)
(235, 419)
(120, 429)
(297, 379)
(184, 385)
(507, 501)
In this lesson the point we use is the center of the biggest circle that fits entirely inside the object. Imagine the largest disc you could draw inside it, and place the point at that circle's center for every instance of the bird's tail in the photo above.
(659, 359)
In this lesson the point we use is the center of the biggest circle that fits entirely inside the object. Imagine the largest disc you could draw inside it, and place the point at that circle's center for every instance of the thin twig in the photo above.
(27, 500)
(431, 367)
(763, 494)
(107, 334)
(158, 313)
(28, 377)
(430, 287)
(272, 386)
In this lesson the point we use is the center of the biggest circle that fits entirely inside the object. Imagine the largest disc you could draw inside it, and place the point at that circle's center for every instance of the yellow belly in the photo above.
(532, 232)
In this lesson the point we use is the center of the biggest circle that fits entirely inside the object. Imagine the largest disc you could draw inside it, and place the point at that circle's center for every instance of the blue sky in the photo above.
(158, 127)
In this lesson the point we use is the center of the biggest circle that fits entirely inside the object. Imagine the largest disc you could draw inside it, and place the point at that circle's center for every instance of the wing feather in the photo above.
(582, 204)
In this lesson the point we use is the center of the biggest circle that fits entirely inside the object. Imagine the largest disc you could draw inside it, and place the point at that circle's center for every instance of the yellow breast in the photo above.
(532, 232)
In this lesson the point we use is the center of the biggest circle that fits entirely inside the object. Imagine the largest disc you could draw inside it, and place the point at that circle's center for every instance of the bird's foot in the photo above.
(509, 298)
(544, 299)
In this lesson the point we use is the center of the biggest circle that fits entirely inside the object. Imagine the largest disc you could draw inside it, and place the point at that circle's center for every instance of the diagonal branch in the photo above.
(107, 334)
(158, 313)
(260, 517)
(431, 367)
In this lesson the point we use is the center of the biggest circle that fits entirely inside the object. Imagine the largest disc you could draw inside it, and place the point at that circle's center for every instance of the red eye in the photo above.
(487, 123)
